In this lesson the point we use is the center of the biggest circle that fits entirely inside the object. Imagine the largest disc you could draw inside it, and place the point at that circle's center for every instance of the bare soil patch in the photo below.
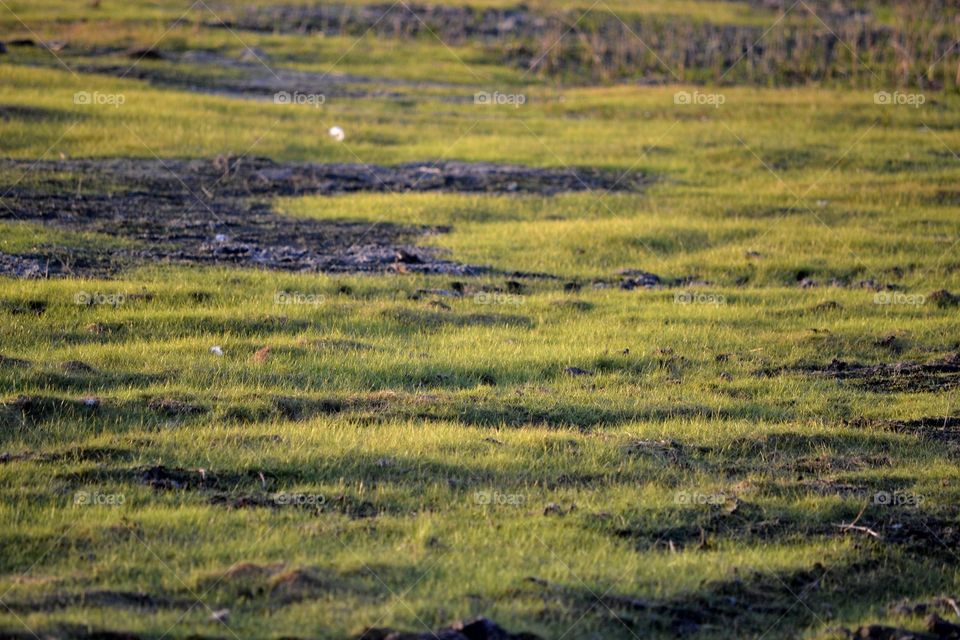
(476, 629)
(941, 374)
(944, 429)
(218, 212)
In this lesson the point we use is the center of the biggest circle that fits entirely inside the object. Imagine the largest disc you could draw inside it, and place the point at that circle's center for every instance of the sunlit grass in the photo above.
(464, 466)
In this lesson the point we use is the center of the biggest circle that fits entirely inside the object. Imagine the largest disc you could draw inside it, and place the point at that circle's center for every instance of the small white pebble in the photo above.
(220, 615)
(217, 351)
(337, 134)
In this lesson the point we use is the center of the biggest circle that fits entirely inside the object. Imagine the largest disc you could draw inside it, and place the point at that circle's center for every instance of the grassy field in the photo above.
(721, 404)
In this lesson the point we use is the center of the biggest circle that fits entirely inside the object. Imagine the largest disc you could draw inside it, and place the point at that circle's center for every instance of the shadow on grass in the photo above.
(748, 604)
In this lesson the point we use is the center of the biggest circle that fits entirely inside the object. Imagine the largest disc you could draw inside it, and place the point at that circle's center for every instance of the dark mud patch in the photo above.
(163, 478)
(259, 176)
(944, 299)
(170, 478)
(631, 279)
(944, 429)
(218, 213)
(921, 533)
(475, 629)
(55, 262)
(937, 375)
(174, 478)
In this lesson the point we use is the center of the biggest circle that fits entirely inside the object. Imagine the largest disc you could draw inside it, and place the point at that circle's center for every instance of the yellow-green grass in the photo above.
(408, 411)
(839, 193)
(423, 403)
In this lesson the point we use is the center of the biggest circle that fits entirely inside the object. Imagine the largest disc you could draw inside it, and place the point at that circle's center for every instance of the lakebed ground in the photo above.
(649, 340)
